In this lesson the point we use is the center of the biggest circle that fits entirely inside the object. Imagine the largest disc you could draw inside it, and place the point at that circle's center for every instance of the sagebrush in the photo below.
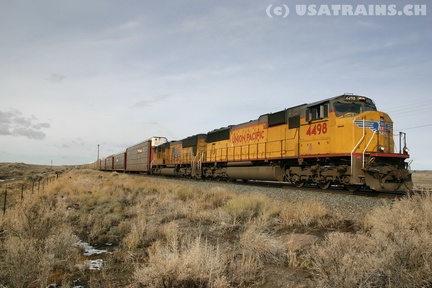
(164, 234)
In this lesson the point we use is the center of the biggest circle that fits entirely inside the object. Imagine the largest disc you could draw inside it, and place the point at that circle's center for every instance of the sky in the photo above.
(78, 74)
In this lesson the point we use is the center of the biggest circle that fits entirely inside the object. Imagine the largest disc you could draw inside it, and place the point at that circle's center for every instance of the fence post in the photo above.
(22, 191)
(4, 204)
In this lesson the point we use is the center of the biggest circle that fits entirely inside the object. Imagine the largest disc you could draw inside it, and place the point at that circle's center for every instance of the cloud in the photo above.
(142, 104)
(149, 103)
(72, 143)
(56, 78)
(13, 123)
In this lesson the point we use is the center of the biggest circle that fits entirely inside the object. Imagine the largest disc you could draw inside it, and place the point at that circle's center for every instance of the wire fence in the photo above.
(15, 190)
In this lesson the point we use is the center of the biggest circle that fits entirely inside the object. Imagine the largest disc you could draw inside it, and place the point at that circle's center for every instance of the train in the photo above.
(343, 141)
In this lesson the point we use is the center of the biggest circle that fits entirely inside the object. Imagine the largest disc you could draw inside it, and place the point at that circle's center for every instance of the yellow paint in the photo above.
(319, 138)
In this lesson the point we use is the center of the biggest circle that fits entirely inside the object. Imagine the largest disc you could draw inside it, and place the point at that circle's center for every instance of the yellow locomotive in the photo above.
(342, 140)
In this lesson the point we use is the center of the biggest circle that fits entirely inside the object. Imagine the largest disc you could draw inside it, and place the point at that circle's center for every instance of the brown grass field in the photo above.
(159, 233)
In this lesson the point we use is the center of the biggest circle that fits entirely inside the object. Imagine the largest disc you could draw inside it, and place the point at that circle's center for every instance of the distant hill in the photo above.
(18, 170)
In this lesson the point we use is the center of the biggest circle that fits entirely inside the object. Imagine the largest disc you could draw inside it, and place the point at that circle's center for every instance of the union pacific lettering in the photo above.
(252, 134)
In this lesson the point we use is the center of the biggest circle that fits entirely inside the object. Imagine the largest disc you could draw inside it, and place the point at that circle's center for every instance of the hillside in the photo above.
(20, 170)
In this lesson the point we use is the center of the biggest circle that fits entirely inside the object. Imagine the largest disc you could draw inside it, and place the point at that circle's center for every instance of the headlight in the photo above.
(405, 150)
(381, 149)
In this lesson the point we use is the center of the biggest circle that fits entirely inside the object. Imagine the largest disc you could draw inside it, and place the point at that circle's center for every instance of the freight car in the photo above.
(343, 140)
(136, 158)
(119, 162)
(108, 163)
(139, 156)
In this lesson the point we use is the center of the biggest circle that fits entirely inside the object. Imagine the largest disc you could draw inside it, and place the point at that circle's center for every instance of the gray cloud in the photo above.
(72, 143)
(57, 78)
(149, 103)
(142, 104)
(13, 123)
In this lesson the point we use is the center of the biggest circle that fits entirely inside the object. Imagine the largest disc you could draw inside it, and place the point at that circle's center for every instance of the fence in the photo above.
(36, 184)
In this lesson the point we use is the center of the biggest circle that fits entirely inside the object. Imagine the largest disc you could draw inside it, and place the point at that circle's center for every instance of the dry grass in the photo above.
(302, 213)
(35, 242)
(183, 263)
(171, 235)
(247, 207)
(261, 246)
(394, 251)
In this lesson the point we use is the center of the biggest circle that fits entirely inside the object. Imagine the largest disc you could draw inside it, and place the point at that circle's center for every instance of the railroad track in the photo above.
(334, 189)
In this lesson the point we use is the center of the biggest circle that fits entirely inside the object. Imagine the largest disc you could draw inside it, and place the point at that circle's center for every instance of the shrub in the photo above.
(142, 232)
(261, 246)
(394, 251)
(344, 260)
(22, 262)
(35, 218)
(244, 269)
(403, 234)
(183, 264)
(302, 213)
(215, 198)
(36, 240)
(246, 207)
(186, 193)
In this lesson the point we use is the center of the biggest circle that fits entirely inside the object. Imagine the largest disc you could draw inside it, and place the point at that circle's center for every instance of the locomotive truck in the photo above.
(343, 140)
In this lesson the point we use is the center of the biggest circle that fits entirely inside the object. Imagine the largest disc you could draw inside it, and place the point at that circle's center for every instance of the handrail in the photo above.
(356, 146)
(200, 161)
(363, 154)
(193, 159)
(193, 168)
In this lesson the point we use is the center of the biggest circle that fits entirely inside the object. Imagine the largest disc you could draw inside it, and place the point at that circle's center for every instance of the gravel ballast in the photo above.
(350, 206)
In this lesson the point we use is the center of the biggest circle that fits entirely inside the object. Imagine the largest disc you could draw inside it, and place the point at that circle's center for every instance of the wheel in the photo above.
(299, 183)
(324, 185)
(352, 188)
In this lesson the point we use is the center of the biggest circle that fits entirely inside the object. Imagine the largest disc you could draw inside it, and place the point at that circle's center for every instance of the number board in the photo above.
(350, 98)
(317, 129)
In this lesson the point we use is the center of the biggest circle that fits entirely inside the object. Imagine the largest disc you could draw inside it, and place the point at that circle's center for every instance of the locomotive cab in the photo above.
(346, 140)
(366, 135)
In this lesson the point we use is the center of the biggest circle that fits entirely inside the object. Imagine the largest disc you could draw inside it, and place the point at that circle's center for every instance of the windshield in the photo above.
(353, 108)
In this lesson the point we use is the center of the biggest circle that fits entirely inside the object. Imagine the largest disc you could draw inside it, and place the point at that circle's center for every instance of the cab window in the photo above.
(317, 112)
(353, 108)
(344, 108)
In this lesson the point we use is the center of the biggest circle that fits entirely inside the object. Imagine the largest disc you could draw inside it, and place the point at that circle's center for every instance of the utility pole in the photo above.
(97, 161)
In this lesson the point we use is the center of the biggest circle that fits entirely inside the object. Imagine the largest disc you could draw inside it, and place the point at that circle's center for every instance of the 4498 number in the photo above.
(317, 129)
